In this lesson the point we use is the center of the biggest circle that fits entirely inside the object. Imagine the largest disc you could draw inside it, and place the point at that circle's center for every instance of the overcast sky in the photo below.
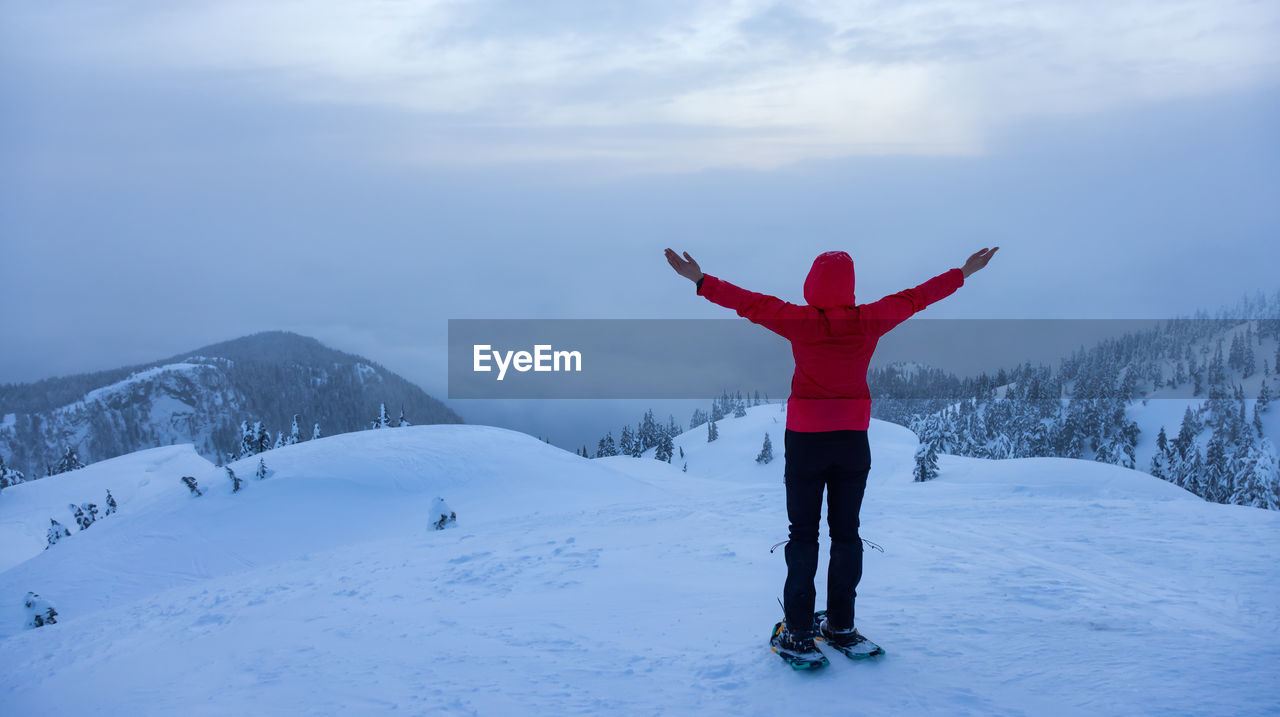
(174, 174)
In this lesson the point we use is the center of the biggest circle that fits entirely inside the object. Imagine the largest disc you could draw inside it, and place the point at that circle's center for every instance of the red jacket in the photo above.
(832, 338)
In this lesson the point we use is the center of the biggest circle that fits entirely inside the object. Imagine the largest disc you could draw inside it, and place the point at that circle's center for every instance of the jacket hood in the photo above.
(830, 280)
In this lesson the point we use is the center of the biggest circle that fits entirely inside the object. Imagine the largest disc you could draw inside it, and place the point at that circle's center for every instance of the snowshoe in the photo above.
(850, 642)
(798, 651)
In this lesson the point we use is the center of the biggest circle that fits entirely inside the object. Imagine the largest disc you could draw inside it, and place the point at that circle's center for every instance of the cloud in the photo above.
(671, 85)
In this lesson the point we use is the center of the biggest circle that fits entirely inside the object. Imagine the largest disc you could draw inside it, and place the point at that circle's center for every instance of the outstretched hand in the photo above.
(978, 260)
(686, 267)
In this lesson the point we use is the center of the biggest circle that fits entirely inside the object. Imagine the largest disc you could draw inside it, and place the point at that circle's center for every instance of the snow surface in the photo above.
(1030, 586)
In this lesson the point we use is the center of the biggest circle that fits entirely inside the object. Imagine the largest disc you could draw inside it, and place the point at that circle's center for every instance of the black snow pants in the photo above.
(839, 462)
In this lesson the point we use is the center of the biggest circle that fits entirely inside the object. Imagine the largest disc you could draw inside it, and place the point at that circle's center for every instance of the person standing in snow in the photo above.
(828, 413)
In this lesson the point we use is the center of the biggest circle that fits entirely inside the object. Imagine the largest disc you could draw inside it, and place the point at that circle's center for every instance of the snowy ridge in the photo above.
(133, 382)
(583, 586)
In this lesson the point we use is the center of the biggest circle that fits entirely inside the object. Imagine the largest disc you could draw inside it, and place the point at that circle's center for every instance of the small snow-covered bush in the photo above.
(263, 471)
(442, 516)
(57, 531)
(190, 483)
(39, 612)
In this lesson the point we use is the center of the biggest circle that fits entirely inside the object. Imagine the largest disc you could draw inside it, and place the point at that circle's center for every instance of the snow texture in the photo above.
(1031, 586)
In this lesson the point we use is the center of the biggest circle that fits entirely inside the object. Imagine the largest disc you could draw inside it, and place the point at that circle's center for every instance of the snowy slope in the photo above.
(1033, 586)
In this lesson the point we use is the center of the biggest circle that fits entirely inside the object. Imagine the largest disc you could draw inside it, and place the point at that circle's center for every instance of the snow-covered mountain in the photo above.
(201, 397)
(573, 585)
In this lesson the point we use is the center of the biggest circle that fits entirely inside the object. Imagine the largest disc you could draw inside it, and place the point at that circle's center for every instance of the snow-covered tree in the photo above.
(261, 437)
(1258, 477)
(626, 442)
(69, 461)
(402, 421)
(190, 483)
(8, 476)
(442, 516)
(39, 612)
(766, 451)
(315, 432)
(236, 483)
(606, 446)
(248, 440)
(111, 505)
(293, 432)
(712, 432)
(262, 473)
(1159, 466)
(57, 531)
(926, 462)
(77, 512)
(383, 420)
(649, 432)
(279, 440)
(699, 418)
(90, 512)
(665, 448)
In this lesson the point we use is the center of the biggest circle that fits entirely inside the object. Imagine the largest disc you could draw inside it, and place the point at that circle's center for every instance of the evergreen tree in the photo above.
(606, 446)
(699, 418)
(717, 409)
(673, 428)
(90, 512)
(82, 520)
(739, 410)
(315, 432)
(262, 471)
(626, 444)
(111, 504)
(1159, 466)
(279, 440)
(262, 437)
(1106, 452)
(248, 442)
(926, 463)
(56, 532)
(402, 421)
(649, 431)
(235, 480)
(1258, 483)
(293, 432)
(1128, 444)
(665, 448)
(9, 477)
(766, 452)
(1264, 398)
(712, 432)
(383, 420)
(637, 446)
(191, 485)
(69, 461)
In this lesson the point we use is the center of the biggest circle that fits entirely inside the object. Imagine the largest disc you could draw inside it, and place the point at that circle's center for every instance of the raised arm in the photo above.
(779, 316)
(892, 310)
